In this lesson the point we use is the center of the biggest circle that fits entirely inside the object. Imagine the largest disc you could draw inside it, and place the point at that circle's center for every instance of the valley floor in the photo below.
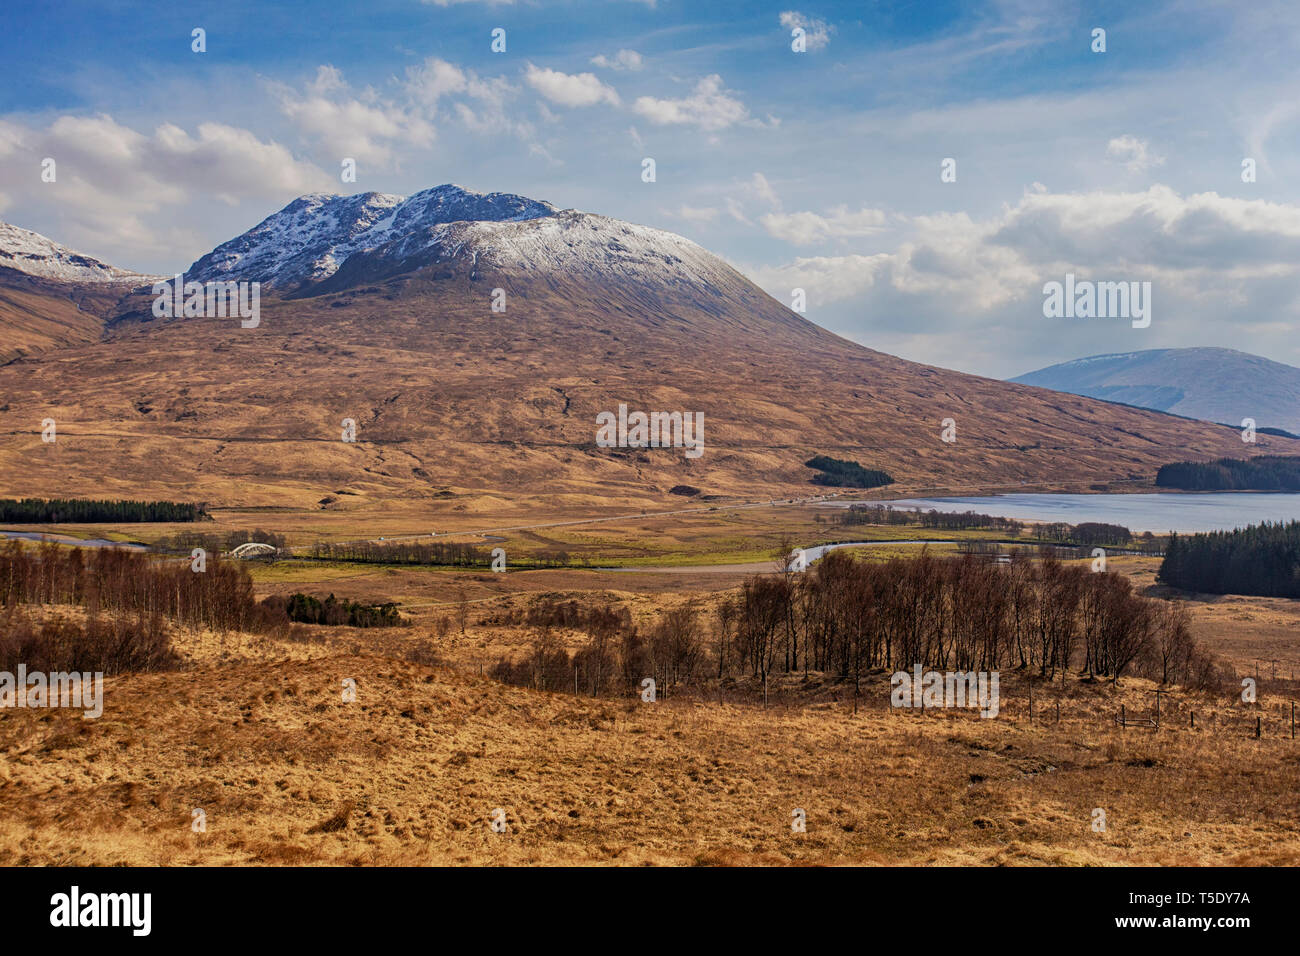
(254, 731)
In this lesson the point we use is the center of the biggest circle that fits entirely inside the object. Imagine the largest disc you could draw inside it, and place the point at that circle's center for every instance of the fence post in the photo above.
(1193, 720)
(1122, 724)
(1257, 722)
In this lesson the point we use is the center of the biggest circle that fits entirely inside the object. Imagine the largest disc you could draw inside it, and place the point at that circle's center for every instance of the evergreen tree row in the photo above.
(1265, 473)
(82, 510)
(1262, 559)
(837, 473)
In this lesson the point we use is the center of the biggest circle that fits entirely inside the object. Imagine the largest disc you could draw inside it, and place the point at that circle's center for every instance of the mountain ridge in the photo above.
(1207, 383)
(457, 405)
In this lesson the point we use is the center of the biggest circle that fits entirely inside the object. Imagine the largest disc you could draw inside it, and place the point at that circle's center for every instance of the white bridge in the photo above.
(253, 549)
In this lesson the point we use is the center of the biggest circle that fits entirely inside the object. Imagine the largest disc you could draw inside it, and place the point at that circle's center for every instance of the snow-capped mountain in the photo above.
(321, 243)
(311, 238)
(33, 254)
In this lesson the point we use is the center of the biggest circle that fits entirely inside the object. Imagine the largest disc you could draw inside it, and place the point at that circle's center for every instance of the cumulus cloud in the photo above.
(1222, 269)
(1134, 153)
(806, 228)
(709, 106)
(110, 177)
(570, 89)
(361, 125)
(622, 60)
(817, 33)
(433, 79)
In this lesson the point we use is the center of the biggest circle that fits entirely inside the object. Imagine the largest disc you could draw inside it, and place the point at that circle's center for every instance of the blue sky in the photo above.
(818, 170)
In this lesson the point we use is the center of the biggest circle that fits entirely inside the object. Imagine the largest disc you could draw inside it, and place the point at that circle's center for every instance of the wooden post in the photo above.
(575, 680)
(1293, 720)
(1122, 725)
(1257, 721)
(1058, 711)
(1031, 700)
(1193, 720)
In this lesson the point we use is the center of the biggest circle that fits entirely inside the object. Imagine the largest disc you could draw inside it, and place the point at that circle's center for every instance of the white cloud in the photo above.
(113, 181)
(764, 191)
(806, 228)
(570, 89)
(1223, 270)
(696, 214)
(1134, 153)
(736, 211)
(817, 33)
(710, 107)
(622, 60)
(362, 126)
(434, 79)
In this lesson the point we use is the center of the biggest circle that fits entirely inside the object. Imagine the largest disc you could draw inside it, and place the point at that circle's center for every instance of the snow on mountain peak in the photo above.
(31, 253)
(309, 240)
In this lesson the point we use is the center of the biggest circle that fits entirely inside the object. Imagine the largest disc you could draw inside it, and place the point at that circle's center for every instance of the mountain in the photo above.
(52, 296)
(1216, 385)
(379, 309)
(305, 243)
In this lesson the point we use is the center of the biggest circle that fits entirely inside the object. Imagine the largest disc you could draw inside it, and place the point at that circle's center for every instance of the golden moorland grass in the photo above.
(410, 773)
(253, 730)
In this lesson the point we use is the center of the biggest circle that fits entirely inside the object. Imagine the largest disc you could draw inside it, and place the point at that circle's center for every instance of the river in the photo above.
(68, 539)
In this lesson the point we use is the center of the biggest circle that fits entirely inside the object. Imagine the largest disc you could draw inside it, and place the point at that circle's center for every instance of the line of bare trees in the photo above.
(850, 617)
(221, 597)
(617, 654)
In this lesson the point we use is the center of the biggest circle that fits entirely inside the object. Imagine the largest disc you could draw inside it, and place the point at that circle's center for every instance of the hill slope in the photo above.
(51, 296)
(380, 310)
(1217, 385)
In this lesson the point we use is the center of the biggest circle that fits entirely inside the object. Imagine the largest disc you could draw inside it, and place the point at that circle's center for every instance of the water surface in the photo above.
(1159, 512)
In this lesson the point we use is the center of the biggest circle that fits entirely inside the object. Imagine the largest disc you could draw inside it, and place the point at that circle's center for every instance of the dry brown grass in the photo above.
(255, 732)
(461, 413)
(288, 773)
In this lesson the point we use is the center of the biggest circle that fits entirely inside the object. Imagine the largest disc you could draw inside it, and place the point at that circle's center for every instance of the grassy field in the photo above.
(254, 731)
(411, 772)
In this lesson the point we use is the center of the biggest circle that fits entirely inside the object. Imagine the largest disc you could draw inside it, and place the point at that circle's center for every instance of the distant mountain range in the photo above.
(1216, 385)
(473, 339)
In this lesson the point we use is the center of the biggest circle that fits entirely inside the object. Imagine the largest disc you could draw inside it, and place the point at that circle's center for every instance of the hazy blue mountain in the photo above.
(1218, 385)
